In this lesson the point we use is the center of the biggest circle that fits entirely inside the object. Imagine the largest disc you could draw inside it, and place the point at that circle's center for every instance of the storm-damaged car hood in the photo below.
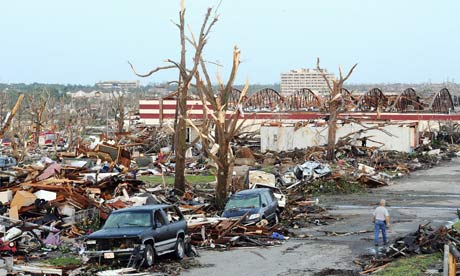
(122, 232)
(238, 212)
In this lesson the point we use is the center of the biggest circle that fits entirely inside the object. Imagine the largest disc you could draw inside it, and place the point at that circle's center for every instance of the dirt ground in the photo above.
(425, 196)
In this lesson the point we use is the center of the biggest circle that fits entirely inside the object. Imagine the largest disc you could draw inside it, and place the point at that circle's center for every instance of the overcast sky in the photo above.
(86, 41)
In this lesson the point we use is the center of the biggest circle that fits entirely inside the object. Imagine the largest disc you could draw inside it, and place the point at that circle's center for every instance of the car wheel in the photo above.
(179, 250)
(149, 256)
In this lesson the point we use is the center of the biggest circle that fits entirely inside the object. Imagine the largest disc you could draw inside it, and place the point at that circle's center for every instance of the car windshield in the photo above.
(243, 202)
(129, 219)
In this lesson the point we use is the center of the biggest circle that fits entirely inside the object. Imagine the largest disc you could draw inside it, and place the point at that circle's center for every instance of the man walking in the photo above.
(381, 221)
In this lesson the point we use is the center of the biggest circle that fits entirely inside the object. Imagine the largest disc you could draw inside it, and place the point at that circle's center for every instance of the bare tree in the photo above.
(186, 75)
(119, 109)
(226, 124)
(335, 100)
(8, 120)
(37, 108)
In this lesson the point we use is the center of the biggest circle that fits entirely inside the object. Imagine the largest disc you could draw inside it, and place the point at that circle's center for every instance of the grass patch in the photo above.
(63, 261)
(268, 169)
(456, 225)
(412, 266)
(192, 179)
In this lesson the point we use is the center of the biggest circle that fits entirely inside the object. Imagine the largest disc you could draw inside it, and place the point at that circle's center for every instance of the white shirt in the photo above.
(380, 213)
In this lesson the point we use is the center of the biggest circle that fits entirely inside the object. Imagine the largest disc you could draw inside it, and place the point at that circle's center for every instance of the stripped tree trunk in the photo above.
(226, 124)
(37, 108)
(180, 144)
(223, 179)
(332, 131)
(186, 76)
(335, 100)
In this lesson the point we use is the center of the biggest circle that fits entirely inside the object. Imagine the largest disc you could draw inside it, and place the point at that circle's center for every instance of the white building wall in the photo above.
(282, 138)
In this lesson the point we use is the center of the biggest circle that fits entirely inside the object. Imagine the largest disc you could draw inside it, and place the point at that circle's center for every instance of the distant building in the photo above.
(78, 94)
(305, 78)
(118, 84)
(87, 95)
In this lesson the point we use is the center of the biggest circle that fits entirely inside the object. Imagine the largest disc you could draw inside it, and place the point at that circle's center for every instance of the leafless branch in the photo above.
(171, 82)
(214, 63)
(206, 75)
(235, 66)
(324, 76)
(175, 24)
(179, 66)
(350, 72)
(151, 71)
(193, 39)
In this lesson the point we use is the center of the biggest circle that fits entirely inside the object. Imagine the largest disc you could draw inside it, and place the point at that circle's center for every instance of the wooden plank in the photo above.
(452, 265)
(237, 222)
(373, 269)
(123, 271)
(59, 181)
(445, 266)
(14, 212)
(37, 270)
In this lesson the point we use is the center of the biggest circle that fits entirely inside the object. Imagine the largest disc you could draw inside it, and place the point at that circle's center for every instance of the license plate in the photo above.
(109, 255)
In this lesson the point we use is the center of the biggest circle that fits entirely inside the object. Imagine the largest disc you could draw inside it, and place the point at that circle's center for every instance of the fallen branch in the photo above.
(374, 269)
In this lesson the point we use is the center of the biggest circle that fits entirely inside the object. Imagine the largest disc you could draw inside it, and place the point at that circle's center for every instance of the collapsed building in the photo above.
(299, 120)
(288, 136)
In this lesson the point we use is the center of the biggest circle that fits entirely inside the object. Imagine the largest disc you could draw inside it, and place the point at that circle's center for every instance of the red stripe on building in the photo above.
(171, 106)
(168, 116)
(313, 115)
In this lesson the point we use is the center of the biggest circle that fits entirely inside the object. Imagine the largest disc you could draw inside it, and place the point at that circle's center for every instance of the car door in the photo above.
(160, 231)
(176, 223)
(271, 203)
(266, 206)
(172, 226)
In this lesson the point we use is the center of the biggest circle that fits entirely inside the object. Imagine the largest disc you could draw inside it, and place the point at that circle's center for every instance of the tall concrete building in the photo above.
(304, 78)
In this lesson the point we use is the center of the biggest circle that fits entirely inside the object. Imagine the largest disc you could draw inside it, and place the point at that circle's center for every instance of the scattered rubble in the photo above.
(51, 200)
(51, 205)
(426, 240)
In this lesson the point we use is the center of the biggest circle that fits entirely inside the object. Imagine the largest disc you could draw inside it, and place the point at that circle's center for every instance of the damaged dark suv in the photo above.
(139, 234)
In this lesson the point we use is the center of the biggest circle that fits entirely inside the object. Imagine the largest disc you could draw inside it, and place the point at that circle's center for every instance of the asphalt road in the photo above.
(425, 196)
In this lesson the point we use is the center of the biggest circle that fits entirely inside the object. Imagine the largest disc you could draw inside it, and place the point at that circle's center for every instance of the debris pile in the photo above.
(51, 205)
(426, 240)
(367, 166)
(304, 213)
(42, 216)
(223, 233)
(51, 200)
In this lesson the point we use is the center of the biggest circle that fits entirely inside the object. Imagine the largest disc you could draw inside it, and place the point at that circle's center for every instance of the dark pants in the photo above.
(380, 225)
